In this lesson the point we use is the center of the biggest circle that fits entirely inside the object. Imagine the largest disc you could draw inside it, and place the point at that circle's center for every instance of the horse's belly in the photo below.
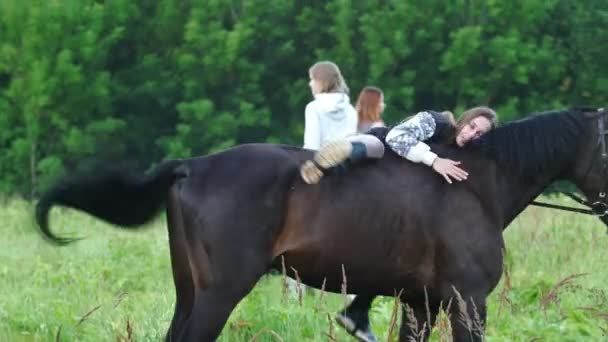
(327, 240)
(366, 267)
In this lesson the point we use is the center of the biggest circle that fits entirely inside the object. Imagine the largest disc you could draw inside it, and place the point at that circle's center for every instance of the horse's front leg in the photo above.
(468, 317)
(417, 321)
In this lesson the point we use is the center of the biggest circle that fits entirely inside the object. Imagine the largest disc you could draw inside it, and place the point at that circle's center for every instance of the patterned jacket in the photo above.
(408, 138)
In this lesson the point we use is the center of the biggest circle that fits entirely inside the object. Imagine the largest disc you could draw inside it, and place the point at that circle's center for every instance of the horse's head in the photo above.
(590, 170)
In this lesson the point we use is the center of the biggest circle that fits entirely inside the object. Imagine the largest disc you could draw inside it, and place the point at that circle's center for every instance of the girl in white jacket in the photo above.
(330, 116)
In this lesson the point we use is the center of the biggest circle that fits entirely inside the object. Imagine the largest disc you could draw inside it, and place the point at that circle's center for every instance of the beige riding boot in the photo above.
(328, 156)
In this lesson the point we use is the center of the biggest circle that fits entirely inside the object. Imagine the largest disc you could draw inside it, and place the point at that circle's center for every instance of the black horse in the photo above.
(392, 226)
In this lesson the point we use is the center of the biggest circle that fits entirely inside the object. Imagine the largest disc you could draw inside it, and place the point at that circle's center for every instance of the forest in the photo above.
(136, 82)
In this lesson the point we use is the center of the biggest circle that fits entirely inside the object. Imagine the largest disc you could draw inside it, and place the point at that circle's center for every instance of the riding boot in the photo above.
(355, 318)
(358, 153)
(332, 155)
(362, 332)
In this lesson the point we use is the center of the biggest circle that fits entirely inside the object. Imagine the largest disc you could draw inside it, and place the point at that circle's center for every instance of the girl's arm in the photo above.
(312, 132)
(406, 139)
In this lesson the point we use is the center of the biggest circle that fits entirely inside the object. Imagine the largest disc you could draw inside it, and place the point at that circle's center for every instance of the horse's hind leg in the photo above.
(227, 257)
(182, 274)
(214, 304)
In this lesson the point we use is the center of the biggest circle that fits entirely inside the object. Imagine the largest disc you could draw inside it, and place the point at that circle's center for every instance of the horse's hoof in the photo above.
(333, 153)
(310, 172)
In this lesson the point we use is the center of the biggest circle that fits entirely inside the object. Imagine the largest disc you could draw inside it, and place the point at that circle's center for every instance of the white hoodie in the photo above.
(329, 117)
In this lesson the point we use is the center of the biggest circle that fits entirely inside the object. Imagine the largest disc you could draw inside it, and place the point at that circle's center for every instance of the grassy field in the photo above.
(117, 286)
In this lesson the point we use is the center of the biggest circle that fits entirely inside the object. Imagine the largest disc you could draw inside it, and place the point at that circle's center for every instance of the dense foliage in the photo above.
(147, 80)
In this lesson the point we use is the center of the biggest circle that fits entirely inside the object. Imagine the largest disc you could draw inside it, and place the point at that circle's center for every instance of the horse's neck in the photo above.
(515, 195)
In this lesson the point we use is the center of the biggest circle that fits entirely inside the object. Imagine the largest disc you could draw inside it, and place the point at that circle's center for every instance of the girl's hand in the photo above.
(448, 169)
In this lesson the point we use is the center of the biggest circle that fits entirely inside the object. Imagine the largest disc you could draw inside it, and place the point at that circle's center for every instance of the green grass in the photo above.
(116, 284)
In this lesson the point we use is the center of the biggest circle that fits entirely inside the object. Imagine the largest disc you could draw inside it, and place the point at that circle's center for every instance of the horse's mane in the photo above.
(538, 144)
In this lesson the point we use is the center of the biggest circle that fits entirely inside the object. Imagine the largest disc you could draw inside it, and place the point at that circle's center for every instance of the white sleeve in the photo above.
(312, 133)
(421, 153)
(406, 139)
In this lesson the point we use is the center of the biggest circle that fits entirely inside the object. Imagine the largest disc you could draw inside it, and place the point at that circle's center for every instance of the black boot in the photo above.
(355, 318)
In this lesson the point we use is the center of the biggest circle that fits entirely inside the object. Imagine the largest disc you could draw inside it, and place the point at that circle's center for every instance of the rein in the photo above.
(599, 207)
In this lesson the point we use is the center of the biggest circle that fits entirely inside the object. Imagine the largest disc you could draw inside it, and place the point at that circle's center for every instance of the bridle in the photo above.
(598, 206)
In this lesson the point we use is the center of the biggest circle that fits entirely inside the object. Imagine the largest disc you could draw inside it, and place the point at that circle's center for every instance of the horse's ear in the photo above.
(591, 115)
(589, 112)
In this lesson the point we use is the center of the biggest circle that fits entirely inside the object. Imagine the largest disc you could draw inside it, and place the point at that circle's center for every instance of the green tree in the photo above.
(55, 94)
(83, 80)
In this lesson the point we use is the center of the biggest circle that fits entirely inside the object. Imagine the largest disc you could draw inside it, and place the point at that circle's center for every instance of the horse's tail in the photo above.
(119, 197)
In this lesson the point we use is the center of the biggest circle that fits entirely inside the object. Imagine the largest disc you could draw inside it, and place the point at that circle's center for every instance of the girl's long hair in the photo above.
(329, 76)
(368, 104)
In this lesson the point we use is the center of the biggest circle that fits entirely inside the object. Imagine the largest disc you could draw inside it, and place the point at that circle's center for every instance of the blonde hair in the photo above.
(329, 77)
(368, 104)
